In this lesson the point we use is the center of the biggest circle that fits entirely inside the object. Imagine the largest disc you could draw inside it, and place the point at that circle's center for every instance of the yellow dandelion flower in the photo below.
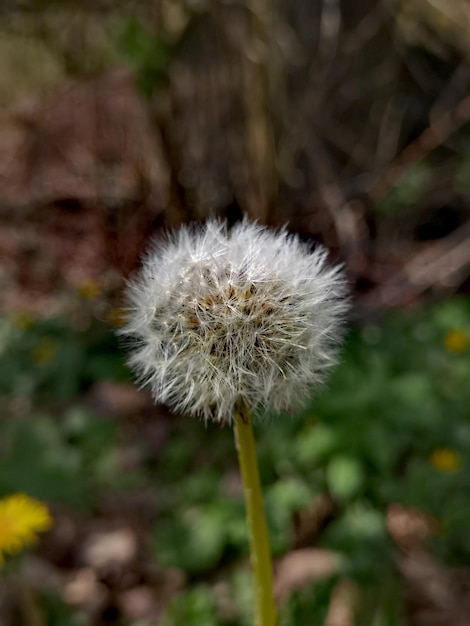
(446, 460)
(21, 519)
(456, 341)
(44, 352)
(22, 320)
(89, 289)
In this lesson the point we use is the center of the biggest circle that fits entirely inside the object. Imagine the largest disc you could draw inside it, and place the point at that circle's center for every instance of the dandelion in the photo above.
(228, 318)
(45, 351)
(228, 322)
(22, 320)
(21, 519)
(456, 341)
(446, 460)
(89, 289)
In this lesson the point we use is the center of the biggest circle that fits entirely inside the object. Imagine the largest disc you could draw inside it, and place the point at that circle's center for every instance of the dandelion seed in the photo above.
(21, 519)
(224, 317)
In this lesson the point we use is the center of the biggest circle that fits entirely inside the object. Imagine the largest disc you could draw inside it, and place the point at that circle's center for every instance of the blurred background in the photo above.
(345, 121)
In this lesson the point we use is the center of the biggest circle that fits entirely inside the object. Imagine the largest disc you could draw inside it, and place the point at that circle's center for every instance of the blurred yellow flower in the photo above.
(89, 289)
(446, 460)
(21, 519)
(456, 341)
(22, 320)
(44, 352)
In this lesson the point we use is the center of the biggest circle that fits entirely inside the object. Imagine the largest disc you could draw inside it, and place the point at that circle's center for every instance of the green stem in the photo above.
(265, 614)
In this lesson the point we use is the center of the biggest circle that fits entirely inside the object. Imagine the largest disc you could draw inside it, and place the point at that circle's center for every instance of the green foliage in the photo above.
(49, 359)
(344, 476)
(308, 606)
(57, 461)
(60, 614)
(149, 55)
(60, 457)
(193, 608)
(196, 539)
(381, 605)
(283, 499)
(391, 427)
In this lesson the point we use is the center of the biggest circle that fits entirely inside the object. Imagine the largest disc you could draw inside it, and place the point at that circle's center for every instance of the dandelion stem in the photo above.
(265, 612)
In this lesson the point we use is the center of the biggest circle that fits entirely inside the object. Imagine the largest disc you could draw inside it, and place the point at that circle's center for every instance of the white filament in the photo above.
(219, 317)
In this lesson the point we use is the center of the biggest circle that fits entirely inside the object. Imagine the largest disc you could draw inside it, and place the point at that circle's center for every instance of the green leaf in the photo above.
(194, 541)
(192, 608)
(316, 445)
(282, 500)
(345, 477)
(39, 463)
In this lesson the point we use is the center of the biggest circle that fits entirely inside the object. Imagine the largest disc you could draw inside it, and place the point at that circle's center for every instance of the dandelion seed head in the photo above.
(219, 317)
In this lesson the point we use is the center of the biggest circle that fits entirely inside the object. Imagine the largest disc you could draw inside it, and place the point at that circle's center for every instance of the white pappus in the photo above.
(248, 315)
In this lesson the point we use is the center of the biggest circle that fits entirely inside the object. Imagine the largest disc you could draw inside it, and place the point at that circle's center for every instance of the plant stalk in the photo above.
(265, 609)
